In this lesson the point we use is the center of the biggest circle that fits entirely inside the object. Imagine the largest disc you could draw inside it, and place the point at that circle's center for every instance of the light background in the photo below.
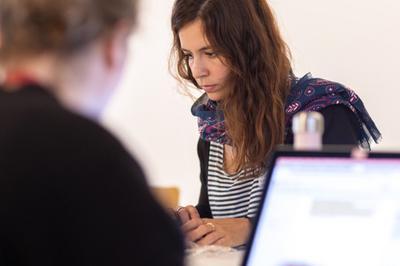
(354, 42)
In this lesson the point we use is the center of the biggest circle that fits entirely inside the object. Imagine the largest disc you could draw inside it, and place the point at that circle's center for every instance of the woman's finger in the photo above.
(191, 225)
(211, 238)
(222, 242)
(183, 214)
(200, 232)
(193, 213)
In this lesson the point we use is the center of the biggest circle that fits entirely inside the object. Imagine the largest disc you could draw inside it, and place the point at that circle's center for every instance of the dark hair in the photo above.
(36, 26)
(245, 33)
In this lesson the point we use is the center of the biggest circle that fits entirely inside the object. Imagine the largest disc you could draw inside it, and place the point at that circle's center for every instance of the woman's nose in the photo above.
(199, 68)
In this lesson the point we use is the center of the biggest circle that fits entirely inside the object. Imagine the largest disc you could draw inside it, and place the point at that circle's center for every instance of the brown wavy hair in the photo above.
(246, 35)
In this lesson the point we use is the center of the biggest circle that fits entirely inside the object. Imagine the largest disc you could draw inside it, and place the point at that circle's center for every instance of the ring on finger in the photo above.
(211, 225)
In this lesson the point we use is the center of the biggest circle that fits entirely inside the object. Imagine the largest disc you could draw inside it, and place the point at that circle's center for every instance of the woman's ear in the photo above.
(115, 45)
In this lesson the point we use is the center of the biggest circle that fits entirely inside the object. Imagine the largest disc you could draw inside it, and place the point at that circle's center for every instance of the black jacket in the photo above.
(70, 194)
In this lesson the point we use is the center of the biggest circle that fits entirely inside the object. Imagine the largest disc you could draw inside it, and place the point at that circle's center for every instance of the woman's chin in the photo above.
(215, 96)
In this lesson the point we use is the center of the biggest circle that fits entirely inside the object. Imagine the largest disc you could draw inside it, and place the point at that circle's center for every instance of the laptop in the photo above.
(328, 208)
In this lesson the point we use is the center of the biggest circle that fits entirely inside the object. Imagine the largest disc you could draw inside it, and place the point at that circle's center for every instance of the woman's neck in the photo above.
(59, 77)
(40, 69)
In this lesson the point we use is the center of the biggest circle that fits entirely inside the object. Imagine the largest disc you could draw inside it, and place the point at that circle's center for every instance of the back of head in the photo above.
(32, 27)
(73, 48)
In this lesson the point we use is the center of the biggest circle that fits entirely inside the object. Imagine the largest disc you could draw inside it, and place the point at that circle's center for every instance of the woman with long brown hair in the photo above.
(234, 52)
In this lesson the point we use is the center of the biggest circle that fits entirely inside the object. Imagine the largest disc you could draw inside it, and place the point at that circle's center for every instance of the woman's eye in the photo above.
(211, 54)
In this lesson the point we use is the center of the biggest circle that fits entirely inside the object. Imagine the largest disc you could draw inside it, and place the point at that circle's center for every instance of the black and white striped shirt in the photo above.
(231, 196)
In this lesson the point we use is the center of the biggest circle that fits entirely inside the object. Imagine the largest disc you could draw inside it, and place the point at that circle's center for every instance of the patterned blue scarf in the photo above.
(307, 94)
(210, 120)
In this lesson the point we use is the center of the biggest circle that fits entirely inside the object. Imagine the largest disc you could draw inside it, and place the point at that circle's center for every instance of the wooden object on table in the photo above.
(167, 196)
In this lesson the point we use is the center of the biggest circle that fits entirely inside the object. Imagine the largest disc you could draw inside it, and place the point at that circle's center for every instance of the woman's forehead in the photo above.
(192, 36)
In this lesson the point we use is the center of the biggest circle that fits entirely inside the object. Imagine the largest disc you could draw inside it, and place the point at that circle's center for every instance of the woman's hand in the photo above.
(184, 214)
(224, 232)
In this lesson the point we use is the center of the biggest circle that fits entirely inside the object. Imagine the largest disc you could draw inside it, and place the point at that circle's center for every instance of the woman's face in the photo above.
(208, 68)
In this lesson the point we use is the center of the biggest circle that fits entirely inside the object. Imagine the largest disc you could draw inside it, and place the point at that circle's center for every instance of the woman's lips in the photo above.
(209, 88)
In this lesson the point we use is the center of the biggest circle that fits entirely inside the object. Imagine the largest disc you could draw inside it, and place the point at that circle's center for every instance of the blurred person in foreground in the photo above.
(70, 194)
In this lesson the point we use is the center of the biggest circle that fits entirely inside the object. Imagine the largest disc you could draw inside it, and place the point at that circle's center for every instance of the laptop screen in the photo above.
(327, 210)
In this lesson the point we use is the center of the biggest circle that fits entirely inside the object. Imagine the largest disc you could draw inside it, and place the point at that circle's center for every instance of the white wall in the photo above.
(355, 42)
